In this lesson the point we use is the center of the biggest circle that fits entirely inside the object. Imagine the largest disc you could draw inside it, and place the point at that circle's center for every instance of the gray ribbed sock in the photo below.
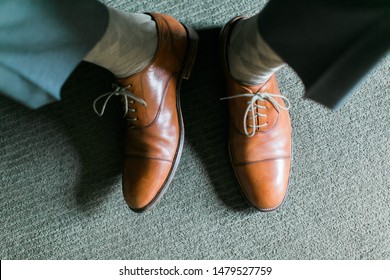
(128, 44)
(251, 59)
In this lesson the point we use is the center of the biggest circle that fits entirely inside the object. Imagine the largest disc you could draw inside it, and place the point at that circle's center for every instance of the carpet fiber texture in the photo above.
(60, 170)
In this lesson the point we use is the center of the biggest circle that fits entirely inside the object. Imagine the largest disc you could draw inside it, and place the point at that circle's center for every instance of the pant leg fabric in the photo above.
(331, 44)
(42, 42)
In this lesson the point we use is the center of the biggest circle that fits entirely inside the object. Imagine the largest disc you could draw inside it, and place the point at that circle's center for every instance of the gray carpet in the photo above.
(60, 170)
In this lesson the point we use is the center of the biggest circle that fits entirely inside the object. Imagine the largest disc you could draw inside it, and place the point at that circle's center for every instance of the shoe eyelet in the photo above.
(131, 119)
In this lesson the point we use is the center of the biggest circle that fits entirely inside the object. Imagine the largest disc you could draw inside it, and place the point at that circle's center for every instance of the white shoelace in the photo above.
(119, 91)
(252, 106)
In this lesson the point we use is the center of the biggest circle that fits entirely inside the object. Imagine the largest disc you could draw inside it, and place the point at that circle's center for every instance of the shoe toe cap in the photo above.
(144, 181)
(264, 183)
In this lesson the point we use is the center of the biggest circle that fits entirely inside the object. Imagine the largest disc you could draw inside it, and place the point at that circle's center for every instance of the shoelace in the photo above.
(252, 106)
(119, 91)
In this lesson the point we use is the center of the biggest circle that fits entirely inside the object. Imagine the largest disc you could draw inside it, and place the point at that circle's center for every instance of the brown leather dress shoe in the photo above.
(155, 133)
(259, 136)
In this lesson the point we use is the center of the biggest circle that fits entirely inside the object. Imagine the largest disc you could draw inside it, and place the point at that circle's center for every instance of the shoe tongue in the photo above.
(137, 118)
(124, 82)
(267, 116)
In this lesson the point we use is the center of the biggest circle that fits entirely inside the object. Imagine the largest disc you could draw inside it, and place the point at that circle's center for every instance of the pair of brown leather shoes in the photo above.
(154, 138)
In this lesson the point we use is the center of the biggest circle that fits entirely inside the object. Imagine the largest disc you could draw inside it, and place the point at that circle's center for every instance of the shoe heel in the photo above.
(192, 47)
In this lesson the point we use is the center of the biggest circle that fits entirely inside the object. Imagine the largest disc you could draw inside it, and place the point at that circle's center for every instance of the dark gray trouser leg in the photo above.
(331, 44)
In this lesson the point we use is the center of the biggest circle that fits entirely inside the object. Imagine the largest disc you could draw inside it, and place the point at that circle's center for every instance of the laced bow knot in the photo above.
(251, 110)
(119, 91)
